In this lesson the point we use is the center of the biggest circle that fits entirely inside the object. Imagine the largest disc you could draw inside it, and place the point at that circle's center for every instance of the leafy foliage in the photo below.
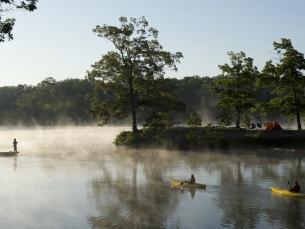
(154, 131)
(204, 137)
(236, 87)
(127, 138)
(7, 24)
(286, 81)
(130, 74)
(50, 102)
(194, 120)
(195, 92)
(157, 124)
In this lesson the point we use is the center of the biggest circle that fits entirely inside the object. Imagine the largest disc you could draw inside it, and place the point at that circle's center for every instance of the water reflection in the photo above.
(15, 163)
(236, 199)
(288, 213)
(132, 200)
(139, 195)
(75, 178)
(250, 206)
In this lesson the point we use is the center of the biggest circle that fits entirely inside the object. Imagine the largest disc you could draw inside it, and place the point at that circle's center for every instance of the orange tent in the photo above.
(272, 126)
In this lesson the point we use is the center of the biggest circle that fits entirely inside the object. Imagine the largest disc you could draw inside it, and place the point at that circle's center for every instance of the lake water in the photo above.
(75, 178)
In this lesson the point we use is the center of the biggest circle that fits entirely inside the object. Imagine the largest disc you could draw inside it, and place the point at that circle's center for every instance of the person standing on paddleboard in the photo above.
(15, 145)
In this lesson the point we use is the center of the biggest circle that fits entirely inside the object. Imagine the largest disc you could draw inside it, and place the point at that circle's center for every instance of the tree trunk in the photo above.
(299, 121)
(133, 104)
(238, 120)
(134, 121)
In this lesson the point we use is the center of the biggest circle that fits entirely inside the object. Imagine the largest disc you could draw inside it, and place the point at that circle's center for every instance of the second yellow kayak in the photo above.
(175, 183)
(285, 192)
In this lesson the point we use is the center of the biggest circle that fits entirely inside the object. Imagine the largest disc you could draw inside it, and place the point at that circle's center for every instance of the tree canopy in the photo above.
(194, 120)
(132, 74)
(286, 80)
(57, 102)
(48, 103)
(236, 87)
(7, 24)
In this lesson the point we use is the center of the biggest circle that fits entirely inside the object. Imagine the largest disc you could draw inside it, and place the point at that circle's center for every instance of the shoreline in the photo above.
(198, 138)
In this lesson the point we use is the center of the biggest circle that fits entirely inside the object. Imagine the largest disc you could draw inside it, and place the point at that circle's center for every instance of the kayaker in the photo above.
(15, 145)
(189, 181)
(192, 180)
(296, 188)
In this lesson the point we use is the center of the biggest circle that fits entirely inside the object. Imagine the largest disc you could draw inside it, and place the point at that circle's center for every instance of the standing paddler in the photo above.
(15, 145)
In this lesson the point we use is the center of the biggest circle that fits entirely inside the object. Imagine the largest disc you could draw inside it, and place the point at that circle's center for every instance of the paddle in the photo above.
(184, 181)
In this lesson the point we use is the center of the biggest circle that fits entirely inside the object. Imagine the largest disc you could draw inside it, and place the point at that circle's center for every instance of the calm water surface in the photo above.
(75, 178)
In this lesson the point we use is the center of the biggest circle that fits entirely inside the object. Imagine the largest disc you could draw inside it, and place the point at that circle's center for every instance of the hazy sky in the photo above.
(57, 40)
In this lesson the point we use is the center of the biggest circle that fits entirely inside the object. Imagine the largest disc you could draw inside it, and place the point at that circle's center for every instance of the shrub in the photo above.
(157, 124)
(124, 138)
(194, 120)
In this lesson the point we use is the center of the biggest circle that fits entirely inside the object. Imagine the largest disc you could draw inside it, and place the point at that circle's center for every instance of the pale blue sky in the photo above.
(57, 40)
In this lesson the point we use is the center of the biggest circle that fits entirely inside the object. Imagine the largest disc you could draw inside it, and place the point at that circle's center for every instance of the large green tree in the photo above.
(131, 74)
(236, 87)
(286, 80)
(7, 24)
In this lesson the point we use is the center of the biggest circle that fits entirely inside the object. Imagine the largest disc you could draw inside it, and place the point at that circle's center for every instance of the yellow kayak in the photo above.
(175, 183)
(285, 192)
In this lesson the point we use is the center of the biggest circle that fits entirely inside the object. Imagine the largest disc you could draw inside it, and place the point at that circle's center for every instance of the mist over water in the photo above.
(74, 177)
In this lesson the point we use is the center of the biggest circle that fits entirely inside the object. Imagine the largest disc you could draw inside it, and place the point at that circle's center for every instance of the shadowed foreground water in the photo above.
(75, 178)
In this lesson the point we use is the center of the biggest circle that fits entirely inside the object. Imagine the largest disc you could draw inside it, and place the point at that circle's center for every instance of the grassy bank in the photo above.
(204, 137)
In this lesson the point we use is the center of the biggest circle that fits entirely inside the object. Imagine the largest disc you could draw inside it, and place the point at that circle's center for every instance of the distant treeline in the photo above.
(67, 102)
(49, 102)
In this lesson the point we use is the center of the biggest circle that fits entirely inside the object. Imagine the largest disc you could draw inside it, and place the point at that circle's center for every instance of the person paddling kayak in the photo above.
(296, 187)
(190, 181)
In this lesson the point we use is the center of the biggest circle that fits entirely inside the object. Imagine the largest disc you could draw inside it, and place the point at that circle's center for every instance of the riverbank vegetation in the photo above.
(196, 138)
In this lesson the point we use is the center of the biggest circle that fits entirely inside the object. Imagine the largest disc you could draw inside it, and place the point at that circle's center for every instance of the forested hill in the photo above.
(49, 102)
(66, 102)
